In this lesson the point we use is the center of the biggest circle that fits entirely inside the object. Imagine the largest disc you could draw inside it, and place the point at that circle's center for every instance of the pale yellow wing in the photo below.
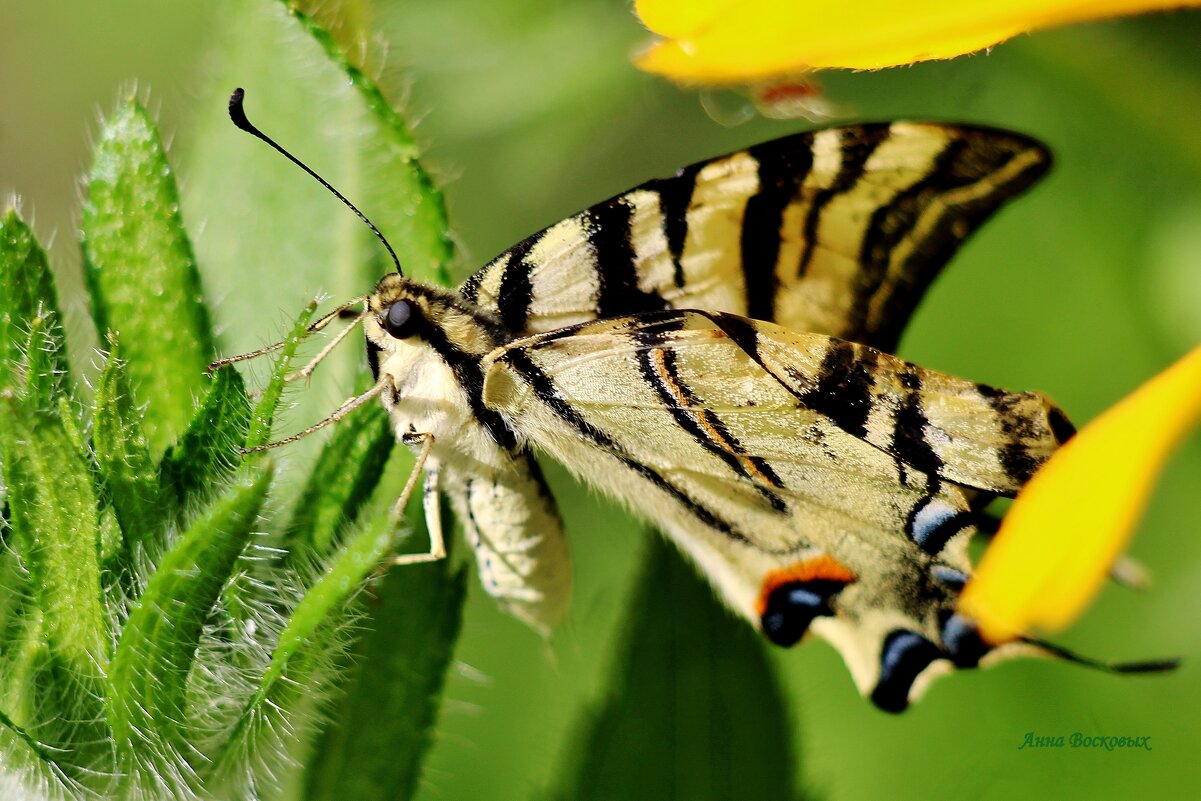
(782, 460)
(782, 394)
(837, 232)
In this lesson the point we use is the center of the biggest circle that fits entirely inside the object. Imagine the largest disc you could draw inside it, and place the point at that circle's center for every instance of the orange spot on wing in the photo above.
(823, 567)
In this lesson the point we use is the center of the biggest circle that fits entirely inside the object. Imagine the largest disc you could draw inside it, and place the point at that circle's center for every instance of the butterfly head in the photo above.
(405, 315)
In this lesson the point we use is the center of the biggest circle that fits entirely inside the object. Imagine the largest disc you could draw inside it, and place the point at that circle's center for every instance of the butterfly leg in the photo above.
(312, 329)
(431, 502)
(348, 406)
(437, 549)
(307, 370)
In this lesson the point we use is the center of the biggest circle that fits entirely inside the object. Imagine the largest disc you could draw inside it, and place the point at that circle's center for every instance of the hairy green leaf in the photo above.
(376, 744)
(157, 648)
(193, 468)
(23, 656)
(44, 378)
(695, 711)
(55, 530)
(32, 753)
(310, 639)
(142, 273)
(14, 590)
(115, 564)
(27, 294)
(127, 471)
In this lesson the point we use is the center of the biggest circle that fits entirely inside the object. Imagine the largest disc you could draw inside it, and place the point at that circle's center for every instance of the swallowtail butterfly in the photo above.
(712, 349)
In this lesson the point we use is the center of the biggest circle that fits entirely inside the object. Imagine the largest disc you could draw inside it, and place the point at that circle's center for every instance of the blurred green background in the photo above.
(529, 111)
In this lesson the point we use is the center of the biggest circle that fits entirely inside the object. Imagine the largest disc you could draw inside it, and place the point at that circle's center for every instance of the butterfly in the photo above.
(713, 350)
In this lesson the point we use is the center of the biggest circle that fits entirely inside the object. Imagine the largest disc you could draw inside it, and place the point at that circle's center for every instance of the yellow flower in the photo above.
(741, 41)
(1074, 518)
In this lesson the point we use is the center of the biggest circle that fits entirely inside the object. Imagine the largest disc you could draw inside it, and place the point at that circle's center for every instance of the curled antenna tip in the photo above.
(236, 112)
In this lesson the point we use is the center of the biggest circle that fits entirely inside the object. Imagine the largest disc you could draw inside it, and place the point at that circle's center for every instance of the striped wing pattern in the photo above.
(758, 449)
(838, 232)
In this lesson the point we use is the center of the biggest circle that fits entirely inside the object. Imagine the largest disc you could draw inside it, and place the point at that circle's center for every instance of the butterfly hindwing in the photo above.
(721, 430)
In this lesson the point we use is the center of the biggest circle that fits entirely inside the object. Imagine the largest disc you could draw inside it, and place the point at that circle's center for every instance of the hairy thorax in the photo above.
(434, 374)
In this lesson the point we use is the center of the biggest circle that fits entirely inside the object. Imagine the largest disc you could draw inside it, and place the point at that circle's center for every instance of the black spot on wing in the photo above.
(792, 607)
(950, 578)
(902, 659)
(961, 640)
(931, 523)
(1061, 426)
(909, 442)
(844, 386)
(1017, 460)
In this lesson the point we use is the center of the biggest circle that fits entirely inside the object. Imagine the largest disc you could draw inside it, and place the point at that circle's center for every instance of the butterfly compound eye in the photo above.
(400, 320)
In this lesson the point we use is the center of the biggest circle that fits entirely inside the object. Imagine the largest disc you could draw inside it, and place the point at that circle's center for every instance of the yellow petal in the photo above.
(1075, 517)
(675, 19)
(727, 41)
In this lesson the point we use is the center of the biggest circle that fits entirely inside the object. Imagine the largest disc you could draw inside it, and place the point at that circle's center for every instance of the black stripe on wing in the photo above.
(608, 227)
(516, 288)
(857, 147)
(843, 391)
(891, 224)
(468, 374)
(544, 390)
(675, 196)
(962, 185)
(658, 368)
(979, 156)
(781, 173)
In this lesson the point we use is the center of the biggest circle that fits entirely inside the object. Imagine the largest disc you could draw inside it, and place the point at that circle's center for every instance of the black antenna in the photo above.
(238, 115)
(1150, 666)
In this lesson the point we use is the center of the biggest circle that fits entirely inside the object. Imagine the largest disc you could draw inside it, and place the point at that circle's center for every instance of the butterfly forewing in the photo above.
(838, 232)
